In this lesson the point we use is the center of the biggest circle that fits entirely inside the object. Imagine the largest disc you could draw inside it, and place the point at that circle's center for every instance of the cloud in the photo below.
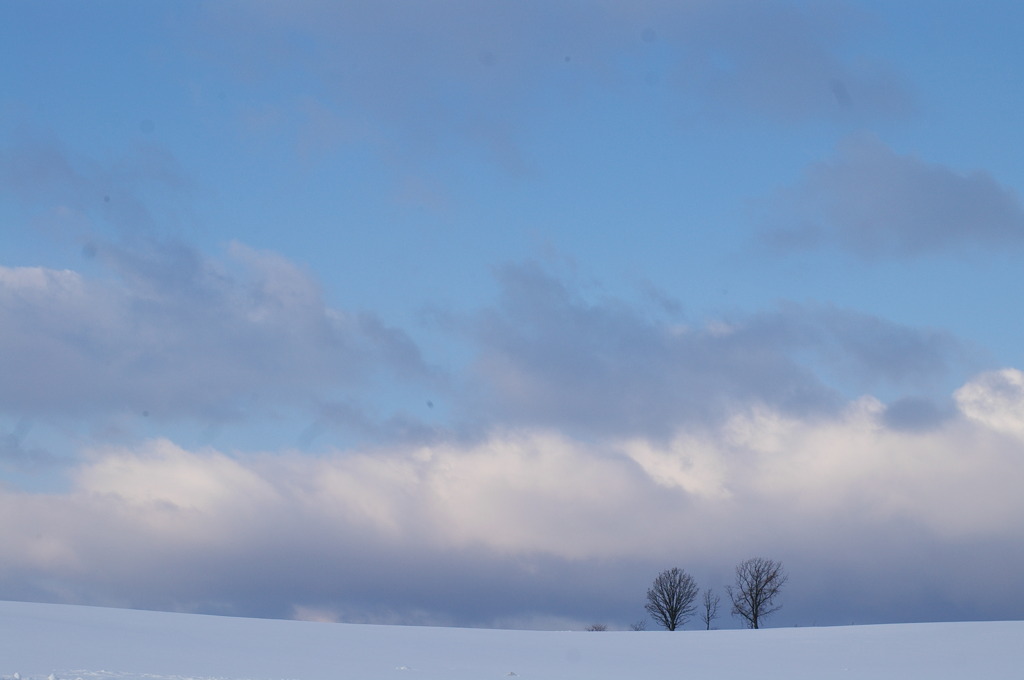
(139, 190)
(995, 399)
(528, 523)
(178, 334)
(550, 356)
(430, 77)
(15, 453)
(177, 339)
(781, 61)
(876, 203)
(915, 413)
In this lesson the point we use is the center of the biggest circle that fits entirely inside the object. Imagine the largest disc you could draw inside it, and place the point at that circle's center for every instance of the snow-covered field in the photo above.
(38, 641)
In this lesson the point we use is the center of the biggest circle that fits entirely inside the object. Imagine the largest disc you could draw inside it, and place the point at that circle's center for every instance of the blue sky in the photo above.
(514, 304)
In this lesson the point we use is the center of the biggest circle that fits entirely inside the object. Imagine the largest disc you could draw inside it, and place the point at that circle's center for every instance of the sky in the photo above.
(484, 313)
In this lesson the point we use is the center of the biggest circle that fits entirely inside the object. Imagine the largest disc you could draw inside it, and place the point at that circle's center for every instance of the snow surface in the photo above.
(38, 641)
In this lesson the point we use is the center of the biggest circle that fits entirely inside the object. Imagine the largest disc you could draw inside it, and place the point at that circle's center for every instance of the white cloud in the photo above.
(688, 463)
(170, 520)
(315, 615)
(996, 400)
(163, 475)
(25, 281)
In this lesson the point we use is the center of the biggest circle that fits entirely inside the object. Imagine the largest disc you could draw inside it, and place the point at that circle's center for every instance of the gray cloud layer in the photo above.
(549, 356)
(875, 202)
(138, 193)
(182, 335)
(415, 79)
(782, 60)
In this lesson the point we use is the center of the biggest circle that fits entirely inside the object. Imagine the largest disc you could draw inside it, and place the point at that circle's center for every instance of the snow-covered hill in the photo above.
(70, 643)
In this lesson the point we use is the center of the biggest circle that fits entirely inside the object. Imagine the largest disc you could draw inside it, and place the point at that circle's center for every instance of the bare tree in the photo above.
(670, 598)
(709, 607)
(758, 582)
(638, 625)
(597, 627)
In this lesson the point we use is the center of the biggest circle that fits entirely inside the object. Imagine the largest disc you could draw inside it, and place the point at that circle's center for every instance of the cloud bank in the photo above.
(159, 525)
(585, 440)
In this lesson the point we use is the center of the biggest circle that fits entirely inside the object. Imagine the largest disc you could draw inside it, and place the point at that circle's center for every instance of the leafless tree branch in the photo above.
(670, 599)
(709, 607)
(758, 583)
